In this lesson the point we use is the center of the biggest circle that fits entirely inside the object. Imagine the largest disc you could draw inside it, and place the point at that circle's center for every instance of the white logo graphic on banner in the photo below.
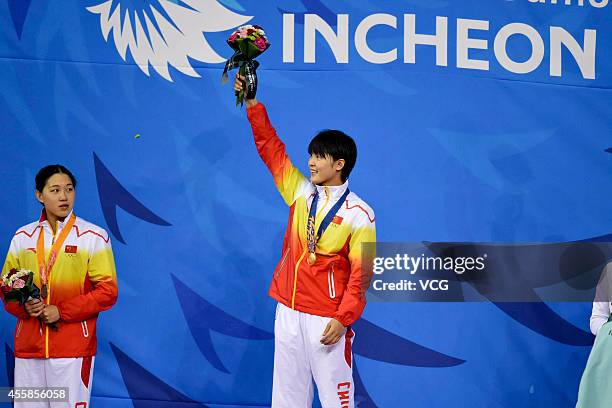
(176, 32)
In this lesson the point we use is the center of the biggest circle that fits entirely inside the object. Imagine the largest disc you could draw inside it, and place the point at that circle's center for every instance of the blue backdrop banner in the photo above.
(476, 121)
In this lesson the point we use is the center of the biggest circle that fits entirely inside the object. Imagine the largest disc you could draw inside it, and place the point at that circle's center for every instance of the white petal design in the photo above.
(170, 42)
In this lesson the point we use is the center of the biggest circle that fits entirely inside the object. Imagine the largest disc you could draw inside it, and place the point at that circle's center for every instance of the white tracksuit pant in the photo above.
(74, 373)
(299, 357)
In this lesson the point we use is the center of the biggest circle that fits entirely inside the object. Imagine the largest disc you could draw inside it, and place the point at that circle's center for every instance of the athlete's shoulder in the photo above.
(89, 230)
(357, 204)
(28, 230)
(25, 236)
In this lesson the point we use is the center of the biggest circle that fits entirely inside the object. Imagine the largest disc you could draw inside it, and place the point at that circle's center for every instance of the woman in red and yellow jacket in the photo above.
(73, 265)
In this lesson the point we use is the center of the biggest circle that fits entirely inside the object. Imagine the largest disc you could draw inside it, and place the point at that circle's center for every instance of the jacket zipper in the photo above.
(47, 326)
(55, 231)
(49, 295)
(85, 330)
(330, 282)
(297, 265)
(283, 262)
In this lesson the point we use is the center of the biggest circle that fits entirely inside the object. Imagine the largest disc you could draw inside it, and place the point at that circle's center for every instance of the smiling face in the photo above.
(325, 171)
(57, 196)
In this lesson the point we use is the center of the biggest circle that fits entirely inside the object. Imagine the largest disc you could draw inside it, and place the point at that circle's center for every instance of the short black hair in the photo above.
(338, 145)
(46, 172)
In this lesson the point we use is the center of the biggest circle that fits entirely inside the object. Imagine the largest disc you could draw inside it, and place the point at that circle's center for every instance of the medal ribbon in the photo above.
(45, 269)
(311, 239)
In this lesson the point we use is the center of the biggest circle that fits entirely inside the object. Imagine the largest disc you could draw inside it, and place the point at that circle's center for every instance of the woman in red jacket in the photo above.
(73, 265)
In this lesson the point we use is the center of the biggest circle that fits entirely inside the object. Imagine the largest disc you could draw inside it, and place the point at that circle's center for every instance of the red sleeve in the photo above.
(354, 298)
(287, 178)
(16, 309)
(83, 307)
(103, 280)
(12, 261)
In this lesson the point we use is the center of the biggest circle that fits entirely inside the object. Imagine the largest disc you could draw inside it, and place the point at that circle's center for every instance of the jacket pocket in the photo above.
(331, 285)
(283, 261)
(281, 275)
(19, 325)
(85, 329)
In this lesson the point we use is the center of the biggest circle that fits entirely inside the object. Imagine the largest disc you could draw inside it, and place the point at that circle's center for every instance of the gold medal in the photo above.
(311, 258)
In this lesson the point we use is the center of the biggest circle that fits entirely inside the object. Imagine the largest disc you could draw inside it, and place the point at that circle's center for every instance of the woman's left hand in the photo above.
(333, 332)
(50, 314)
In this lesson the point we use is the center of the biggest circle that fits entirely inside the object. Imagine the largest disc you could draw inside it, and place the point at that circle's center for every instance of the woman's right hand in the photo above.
(34, 307)
(238, 87)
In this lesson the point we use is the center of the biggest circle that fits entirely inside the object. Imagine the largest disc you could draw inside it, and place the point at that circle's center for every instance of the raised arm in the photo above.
(288, 179)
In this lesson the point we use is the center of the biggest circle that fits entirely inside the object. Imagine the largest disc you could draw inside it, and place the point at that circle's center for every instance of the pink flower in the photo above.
(260, 43)
(18, 284)
(243, 33)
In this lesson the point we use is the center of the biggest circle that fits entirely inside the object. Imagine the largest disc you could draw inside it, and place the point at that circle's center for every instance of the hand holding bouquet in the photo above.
(18, 286)
(248, 42)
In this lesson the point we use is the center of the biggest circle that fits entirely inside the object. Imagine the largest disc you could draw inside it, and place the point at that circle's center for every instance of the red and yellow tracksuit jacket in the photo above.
(335, 285)
(82, 283)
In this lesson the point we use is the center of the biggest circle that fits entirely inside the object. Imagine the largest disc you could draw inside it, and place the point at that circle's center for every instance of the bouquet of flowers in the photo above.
(18, 286)
(248, 42)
